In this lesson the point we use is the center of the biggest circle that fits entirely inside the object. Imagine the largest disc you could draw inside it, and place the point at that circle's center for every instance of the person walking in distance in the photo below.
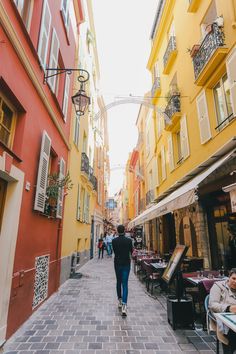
(122, 247)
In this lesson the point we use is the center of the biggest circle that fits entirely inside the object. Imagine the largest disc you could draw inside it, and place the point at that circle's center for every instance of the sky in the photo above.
(123, 30)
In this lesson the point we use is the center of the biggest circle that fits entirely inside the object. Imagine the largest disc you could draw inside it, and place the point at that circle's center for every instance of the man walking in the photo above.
(122, 247)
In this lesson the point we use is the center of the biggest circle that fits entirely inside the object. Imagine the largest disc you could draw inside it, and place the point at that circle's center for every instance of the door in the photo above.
(222, 236)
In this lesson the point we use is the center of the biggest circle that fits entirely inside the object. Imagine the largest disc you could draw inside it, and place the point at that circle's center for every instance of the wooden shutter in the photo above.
(231, 72)
(203, 118)
(163, 162)
(76, 132)
(84, 206)
(87, 208)
(170, 153)
(78, 204)
(60, 198)
(66, 97)
(53, 62)
(39, 202)
(65, 7)
(44, 34)
(155, 174)
(184, 137)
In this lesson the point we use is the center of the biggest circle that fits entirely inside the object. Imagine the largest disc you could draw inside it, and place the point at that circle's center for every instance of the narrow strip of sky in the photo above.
(123, 40)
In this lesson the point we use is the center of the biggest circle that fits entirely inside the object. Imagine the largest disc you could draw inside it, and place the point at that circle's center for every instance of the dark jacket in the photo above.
(123, 248)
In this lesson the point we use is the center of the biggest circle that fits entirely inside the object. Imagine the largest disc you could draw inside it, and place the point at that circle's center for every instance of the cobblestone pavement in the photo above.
(82, 317)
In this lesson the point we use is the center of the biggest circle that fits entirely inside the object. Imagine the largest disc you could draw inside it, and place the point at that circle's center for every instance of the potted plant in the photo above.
(55, 183)
(194, 50)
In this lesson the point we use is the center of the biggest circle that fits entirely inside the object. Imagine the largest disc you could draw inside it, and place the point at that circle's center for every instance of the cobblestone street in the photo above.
(83, 318)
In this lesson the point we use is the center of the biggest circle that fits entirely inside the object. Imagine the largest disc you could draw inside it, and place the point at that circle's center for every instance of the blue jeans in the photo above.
(122, 276)
(109, 248)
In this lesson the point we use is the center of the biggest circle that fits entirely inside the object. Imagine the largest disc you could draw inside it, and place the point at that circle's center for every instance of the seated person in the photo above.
(223, 299)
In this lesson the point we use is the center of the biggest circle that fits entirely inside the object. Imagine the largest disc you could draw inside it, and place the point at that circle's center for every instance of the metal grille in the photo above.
(170, 48)
(211, 42)
(41, 280)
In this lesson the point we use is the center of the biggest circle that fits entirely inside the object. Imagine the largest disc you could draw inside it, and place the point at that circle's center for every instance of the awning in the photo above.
(180, 198)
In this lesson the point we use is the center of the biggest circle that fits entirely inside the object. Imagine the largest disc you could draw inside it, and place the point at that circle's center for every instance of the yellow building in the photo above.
(84, 205)
(193, 61)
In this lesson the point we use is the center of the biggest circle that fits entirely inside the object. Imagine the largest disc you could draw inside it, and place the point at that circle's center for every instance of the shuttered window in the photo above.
(44, 34)
(203, 118)
(76, 132)
(41, 186)
(78, 204)
(163, 163)
(65, 6)
(184, 137)
(66, 97)
(62, 170)
(170, 153)
(231, 71)
(53, 62)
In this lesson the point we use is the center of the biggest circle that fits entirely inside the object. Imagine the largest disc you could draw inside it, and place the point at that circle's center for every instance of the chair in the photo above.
(210, 316)
(151, 277)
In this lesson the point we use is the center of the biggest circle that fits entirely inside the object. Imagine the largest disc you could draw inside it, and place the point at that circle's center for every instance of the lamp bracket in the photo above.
(83, 74)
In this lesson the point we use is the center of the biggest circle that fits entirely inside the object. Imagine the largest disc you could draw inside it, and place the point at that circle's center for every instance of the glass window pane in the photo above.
(227, 95)
(219, 101)
(4, 135)
(7, 116)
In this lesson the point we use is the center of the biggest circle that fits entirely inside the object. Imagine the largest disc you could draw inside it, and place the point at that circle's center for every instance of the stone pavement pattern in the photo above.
(82, 317)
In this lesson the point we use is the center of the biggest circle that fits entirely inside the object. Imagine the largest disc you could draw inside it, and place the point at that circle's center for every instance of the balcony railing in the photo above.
(149, 196)
(173, 105)
(171, 47)
(84, 163)
(156, 85)
(211, 42)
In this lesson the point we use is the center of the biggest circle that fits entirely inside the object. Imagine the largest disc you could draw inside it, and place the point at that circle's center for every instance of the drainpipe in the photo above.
(234, 14)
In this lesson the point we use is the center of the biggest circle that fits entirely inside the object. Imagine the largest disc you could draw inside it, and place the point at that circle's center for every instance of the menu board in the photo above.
(174, 262)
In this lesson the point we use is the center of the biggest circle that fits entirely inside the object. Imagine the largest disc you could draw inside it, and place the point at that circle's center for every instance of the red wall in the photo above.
(37, 235)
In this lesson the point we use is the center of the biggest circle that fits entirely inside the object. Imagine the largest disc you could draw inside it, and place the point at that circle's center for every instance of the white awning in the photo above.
(180, 198)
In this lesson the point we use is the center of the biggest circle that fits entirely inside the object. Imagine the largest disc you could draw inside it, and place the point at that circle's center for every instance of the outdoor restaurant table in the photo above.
(159, 266)
(228, 319)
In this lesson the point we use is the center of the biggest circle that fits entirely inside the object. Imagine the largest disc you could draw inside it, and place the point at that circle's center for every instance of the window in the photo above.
(203, 118)
(148, 143)
(53, 61)
(65, 6)
(78, 204)
(25, 10)
(76, 132)
(223, 100)
(7, 124)
(159, 164)
(66, 97)
(82, 204)
(178, 144)
(44, 34)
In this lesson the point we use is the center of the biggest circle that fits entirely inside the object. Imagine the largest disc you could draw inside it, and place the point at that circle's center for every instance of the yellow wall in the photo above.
(188, 33)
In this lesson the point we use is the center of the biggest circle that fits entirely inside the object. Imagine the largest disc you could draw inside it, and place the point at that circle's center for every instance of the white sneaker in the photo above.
(119, 303)
(124, 310)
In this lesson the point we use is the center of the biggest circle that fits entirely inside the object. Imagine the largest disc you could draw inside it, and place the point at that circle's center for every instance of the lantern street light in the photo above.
(80, 99)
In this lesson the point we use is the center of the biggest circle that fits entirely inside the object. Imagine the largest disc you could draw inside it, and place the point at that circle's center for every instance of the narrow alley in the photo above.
(83, 317)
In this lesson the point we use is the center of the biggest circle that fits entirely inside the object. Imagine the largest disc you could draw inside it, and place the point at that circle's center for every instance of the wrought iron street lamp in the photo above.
(80, 100)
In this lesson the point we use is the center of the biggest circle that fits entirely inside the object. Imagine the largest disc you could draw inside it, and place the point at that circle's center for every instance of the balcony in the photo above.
(169, 55)
(172, 111)
(84, 165)
(149, 196)
(193, 5)
(156, 87)
(209, 55)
